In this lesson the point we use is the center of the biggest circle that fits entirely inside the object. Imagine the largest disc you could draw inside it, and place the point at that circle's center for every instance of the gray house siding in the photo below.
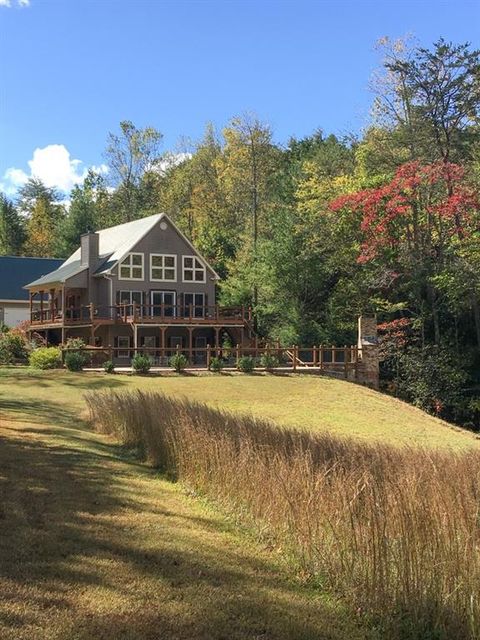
(166, 241)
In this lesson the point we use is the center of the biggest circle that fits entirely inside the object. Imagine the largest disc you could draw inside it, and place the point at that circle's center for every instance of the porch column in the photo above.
(31, 294)
(190, 344)
(41, 306)
(52, 305)
(217, 341)
(135, 339)
(162, 341)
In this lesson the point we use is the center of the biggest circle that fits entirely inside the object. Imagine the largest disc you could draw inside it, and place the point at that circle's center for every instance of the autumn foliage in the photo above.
(418, 211)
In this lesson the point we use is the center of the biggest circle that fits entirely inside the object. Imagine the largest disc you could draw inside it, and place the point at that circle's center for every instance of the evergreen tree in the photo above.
(12, 232)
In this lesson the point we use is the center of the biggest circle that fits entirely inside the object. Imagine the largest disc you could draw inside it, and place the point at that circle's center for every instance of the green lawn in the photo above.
(94, 545)
(297, 400)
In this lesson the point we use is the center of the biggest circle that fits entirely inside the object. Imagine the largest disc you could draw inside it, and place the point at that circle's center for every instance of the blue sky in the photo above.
(70, 70)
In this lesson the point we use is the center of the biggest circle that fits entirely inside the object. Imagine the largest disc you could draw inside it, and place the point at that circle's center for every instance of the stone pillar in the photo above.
(368, 371)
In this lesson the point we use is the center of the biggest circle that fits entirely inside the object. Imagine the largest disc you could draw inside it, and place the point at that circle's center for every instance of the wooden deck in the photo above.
(159, 315)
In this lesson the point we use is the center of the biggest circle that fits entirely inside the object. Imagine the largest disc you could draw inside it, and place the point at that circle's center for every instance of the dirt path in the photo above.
(95, 546)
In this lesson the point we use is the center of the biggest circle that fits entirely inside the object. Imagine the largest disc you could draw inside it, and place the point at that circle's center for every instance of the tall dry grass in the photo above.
(397, 531)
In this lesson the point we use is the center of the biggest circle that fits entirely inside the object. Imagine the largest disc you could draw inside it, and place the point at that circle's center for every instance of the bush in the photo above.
(75, 360)
(246, 364)
(178, 362)
(141, 363)
(12, 347)
(216, 364)
(109, 367)
(45, 358)
(75, 343)
(269, 361)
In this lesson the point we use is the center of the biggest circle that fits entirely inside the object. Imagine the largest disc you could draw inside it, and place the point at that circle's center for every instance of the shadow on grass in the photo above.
(92, 546)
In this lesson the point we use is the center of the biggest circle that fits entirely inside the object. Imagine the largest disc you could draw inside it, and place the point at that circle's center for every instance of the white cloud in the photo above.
(54, 166)
(19, 3)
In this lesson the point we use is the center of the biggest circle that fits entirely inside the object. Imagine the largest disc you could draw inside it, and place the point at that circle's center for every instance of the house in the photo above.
(14, 272)
(138, 285)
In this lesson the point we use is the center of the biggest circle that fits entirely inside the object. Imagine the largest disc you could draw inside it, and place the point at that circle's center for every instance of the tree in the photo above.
(84, 212)
(429, 100)
(129, 155)
(44, 216)
(12, 232)
(247, 172)
(410, 225)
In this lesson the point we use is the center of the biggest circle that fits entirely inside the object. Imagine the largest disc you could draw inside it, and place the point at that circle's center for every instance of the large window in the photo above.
(131, 268)
(163, 267)
(193, 269)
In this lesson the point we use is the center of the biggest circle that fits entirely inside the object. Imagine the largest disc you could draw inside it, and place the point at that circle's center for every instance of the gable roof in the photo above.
(114, 243)
(16, 270)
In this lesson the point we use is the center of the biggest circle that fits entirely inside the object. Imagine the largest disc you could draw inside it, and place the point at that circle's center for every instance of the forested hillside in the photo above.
(318, 230)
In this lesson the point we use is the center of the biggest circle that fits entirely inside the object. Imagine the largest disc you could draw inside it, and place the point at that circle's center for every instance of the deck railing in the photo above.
(142, 314)
(341, 361)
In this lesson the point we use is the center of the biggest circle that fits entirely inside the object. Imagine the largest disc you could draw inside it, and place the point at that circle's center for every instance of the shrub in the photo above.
(108, 366)
(12, 347)
(75, 343)
(216, 364)
(75, 360)
(269, 361)
(141, 363)
(178, 362)
(46, 358)
(246, 364)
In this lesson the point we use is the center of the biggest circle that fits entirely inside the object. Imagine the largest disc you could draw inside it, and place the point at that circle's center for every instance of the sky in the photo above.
(71, 70)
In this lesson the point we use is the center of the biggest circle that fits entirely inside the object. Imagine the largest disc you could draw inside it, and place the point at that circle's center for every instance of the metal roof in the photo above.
(15, 271)
(60, 275)
(114, 244)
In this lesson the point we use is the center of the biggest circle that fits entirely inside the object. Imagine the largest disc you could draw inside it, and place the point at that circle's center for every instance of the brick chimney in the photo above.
(89, 248)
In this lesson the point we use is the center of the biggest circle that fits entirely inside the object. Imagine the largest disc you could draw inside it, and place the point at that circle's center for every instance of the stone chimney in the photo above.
(368, 359)
(89, 248)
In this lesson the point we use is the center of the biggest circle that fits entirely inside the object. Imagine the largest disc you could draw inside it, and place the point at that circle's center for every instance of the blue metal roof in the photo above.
(16, 272)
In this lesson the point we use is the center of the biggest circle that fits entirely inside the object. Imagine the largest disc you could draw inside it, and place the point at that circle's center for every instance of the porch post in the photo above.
(162, 341)
(135, 339)
(52, 305)
(217, 341)
(41, 306)
(31, 294)
(190, 343)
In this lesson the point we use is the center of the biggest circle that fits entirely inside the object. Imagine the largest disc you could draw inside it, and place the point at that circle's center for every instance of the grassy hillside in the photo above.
(303, 401)
(94, 545)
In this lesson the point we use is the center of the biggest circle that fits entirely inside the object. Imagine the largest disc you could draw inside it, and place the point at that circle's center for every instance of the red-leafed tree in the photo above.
(411, 223)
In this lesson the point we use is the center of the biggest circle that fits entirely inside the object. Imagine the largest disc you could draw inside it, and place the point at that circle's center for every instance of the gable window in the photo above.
(163, 267)
(193, 270)
(131, 267)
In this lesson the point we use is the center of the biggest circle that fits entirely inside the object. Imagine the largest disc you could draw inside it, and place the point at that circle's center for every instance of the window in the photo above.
(193, 270)
(163, 267)
(129, 297)
(123, 344)
(131, 268)
(194, 302)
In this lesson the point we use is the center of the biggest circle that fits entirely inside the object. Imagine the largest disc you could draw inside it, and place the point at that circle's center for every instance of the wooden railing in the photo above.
(143, 314)
(340, 361)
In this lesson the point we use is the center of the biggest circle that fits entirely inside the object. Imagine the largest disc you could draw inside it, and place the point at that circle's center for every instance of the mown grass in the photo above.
(318, 404)
(396, 531)
(94, 545)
